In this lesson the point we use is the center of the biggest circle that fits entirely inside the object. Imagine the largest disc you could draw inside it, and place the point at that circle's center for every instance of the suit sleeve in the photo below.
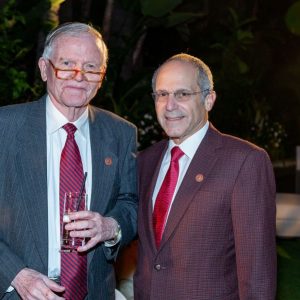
(11, 265)
(254, 224)
(10, 262)
(125, 210)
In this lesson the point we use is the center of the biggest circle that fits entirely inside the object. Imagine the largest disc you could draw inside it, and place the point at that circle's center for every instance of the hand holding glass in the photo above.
(72, 202)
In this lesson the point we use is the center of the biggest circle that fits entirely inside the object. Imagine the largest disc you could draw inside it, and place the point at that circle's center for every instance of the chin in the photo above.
(173, 134)
(76, 95)
(74, 104)
(75, 101)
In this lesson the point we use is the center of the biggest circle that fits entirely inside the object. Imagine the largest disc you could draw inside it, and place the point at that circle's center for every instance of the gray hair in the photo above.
(205, 78)
(74, 29)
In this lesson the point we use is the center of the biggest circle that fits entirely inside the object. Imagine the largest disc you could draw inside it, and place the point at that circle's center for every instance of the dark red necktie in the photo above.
(165, 195)
(73, 265)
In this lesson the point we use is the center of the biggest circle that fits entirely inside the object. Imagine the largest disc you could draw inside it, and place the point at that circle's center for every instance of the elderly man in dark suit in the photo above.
(207, 200)
(42, 143)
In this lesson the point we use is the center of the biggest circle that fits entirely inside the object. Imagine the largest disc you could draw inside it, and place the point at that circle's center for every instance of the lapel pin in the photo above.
(108, 161)
(199, 177)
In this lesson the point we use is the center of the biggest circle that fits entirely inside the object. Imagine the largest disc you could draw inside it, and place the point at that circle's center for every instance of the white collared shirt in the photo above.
(189, 147)
(56, 138)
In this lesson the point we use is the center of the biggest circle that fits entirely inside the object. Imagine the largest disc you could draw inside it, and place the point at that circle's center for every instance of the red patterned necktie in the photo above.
(73, 265)
(165, 195)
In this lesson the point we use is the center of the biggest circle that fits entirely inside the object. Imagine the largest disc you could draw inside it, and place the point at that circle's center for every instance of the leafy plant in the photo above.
(14, 80)
(292, 18)
(243, 107)
(127, 88)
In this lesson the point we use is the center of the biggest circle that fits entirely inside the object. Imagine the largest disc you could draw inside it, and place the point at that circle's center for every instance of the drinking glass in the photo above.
(73, 202)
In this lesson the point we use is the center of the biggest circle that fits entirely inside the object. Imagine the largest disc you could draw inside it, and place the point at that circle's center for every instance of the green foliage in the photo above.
(288, 269)
(158, 8)
(240, 41)
(14, 81)
(132, 100)
(127, 88)
(177, 18)
(243, 107)
(270, 135)
(292, 18)
(19, 82)
(236, 53)
(20, 35)
(52, 17)
(16, 47)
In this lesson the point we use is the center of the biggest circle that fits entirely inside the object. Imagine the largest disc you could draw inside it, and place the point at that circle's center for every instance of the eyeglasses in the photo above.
(179, 95)
(68, 74)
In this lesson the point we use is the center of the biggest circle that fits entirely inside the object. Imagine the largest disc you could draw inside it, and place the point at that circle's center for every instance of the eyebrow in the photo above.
(61, 59)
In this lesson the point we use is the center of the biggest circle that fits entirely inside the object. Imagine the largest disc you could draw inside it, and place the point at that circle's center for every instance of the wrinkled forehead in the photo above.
(75, 44)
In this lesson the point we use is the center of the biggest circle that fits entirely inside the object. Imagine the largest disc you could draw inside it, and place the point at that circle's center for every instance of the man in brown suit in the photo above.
(217, 238)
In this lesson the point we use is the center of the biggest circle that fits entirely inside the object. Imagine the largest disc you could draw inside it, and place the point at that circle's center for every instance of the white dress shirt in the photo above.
(189, 147)
(56, 138)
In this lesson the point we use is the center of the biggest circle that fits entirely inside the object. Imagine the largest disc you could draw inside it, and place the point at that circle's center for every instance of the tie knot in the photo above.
(70, 128)
(176, 154)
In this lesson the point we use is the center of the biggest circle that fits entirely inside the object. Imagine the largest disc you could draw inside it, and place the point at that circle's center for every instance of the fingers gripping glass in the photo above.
(179, 95)
(68, 74)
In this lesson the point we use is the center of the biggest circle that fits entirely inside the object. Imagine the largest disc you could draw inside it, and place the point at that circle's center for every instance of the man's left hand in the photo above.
(92, 226)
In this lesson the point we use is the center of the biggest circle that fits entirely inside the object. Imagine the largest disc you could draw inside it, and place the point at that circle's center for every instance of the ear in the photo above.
(210, 100)
(43, 68)
(103, 69)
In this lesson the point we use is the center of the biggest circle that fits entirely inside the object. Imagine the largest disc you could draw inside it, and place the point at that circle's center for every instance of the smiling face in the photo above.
(72, 52)
(181, 119)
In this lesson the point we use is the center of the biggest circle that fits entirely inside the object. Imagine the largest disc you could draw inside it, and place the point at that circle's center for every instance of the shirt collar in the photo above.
(191, 144)
(55, 119)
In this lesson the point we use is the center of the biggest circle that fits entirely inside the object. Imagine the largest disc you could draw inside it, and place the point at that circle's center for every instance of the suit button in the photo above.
(157, 267)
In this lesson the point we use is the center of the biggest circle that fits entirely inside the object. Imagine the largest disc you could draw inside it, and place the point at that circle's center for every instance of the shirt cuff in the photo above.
(116, 239)
(10, 289)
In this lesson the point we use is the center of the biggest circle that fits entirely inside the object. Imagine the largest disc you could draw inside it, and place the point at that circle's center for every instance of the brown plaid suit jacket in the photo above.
(219, 241)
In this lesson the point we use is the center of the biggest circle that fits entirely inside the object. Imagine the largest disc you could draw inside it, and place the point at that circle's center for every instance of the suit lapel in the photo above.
(202, 163)
(104, 162)
(152, 169)
(32, 165)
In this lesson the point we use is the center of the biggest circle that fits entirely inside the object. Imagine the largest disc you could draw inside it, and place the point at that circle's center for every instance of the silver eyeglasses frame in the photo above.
(179, 95)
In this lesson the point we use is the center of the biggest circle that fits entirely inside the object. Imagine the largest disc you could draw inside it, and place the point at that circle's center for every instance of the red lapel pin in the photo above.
(108, 161)
(199, 177)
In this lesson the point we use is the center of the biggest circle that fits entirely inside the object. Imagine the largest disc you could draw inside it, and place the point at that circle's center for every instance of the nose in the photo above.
(171, 103)
(79, 75)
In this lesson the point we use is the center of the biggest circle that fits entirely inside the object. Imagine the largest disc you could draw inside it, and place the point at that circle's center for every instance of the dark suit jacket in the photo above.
(219, 241)
(23, 192)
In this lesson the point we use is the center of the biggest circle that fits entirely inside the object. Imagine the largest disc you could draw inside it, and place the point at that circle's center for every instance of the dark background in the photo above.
(252, 48)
